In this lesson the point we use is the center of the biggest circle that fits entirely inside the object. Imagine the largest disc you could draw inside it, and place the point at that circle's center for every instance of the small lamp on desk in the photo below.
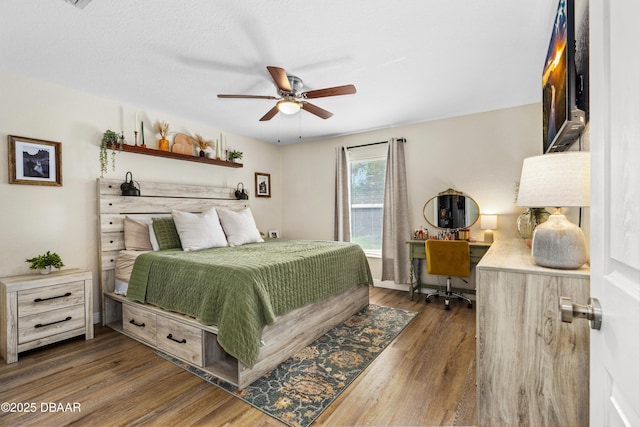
(488, 223)
(558, 180)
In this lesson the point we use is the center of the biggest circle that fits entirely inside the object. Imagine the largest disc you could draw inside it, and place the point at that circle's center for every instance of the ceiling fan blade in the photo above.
(270, 114)
(280, 78)
(247, 96)
(314, 109)
(330, 91)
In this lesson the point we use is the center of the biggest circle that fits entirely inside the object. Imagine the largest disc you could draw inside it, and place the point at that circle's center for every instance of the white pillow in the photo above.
(199, 231)
(239, 226)
(152, 236)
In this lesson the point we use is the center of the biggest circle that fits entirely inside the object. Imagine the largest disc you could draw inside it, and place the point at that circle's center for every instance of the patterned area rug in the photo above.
(298, 390)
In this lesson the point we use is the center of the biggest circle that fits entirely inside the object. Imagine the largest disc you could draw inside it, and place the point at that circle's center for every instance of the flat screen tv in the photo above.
(564, 87)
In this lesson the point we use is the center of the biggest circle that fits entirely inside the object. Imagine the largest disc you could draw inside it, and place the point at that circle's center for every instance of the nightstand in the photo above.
(37, 310)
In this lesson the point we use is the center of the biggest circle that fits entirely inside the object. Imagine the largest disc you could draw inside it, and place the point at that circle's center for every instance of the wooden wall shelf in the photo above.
(170, 155)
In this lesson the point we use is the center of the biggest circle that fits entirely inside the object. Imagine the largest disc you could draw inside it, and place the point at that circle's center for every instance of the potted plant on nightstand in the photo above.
(44, 262)
(234, 156)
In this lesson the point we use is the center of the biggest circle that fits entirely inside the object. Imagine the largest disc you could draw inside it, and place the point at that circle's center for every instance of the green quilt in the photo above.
(244, 288)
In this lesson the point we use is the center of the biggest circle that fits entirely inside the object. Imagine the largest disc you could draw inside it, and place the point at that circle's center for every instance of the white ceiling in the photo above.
(410, 60)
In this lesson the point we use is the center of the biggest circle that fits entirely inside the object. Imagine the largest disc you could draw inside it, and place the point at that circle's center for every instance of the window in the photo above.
(367, 167)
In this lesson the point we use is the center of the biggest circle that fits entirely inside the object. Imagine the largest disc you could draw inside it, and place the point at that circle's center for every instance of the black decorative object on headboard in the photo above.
(130, 187)
(241, 193)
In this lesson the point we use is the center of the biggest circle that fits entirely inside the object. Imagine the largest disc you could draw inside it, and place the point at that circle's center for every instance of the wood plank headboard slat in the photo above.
(157, 199)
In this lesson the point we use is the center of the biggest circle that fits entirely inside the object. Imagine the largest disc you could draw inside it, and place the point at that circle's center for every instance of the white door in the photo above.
(615, 210)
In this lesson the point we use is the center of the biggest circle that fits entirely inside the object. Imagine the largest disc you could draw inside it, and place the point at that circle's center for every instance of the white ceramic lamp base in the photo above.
(558, 243)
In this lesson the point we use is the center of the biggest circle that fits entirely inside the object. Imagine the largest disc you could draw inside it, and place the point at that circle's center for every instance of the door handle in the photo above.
(591, 311)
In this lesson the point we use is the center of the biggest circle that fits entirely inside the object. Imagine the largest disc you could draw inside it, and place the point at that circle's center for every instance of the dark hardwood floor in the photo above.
(425, 377)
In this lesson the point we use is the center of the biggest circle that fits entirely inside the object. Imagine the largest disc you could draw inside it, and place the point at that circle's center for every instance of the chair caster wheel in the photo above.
(447, 307)
(470, 306)
(427, 300)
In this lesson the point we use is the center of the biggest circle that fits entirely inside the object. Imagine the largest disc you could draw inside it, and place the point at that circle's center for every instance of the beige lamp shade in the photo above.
(555, 180)
(558, 180)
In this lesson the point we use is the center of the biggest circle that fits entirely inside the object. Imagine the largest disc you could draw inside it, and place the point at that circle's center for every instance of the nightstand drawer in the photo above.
(139, 323)
(180, 340)
(40, 300)
(53, 322)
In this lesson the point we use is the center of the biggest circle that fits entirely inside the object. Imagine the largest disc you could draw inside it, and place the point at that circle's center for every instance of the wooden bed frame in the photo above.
(181, 336)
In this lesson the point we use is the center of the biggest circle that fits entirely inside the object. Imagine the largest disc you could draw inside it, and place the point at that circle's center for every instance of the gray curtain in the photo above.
(395, 217)
(342, 226)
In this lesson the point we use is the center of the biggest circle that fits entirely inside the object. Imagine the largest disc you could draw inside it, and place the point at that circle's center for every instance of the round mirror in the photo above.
(451, 209)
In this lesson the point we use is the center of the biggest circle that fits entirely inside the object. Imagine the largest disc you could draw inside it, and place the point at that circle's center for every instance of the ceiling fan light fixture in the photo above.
(80, 4)
(288, 106)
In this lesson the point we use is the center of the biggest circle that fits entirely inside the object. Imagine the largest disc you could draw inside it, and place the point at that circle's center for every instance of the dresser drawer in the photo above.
(139, 323)
(180, 340)
(40, 300)
(49, 323)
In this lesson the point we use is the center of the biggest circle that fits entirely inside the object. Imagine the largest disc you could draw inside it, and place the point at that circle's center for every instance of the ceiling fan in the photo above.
(291, 98)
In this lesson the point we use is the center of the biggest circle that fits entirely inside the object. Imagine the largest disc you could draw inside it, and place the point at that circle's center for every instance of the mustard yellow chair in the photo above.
(448, 258)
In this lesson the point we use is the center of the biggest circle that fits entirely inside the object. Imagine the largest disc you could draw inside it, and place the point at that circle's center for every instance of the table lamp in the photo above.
(557, 180)
(488, 223)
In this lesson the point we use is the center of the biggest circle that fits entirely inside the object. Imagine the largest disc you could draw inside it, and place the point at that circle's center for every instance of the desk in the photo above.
(417, 252)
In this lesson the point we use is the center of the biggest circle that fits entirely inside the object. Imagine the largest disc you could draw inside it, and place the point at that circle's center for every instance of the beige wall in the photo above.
(64, 219)
(479, 154)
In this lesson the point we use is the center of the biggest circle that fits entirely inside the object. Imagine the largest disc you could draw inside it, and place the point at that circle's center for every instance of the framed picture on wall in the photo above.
(263, 184)
(34, 161)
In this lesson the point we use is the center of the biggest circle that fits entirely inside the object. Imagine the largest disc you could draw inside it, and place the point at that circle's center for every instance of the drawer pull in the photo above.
(182, 341)
(42, 325)
(134, 323)
(68, 294)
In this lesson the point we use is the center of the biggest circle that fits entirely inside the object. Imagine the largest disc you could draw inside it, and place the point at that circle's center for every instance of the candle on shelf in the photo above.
(135, 130)
(142, 132)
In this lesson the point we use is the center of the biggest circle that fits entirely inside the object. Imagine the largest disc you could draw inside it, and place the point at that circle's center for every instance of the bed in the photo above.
(236, 312)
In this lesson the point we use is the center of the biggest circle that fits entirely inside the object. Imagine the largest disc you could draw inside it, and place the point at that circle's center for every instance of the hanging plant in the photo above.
(110, 139)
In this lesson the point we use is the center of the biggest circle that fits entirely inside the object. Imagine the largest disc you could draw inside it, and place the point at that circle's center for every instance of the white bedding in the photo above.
(124, 266)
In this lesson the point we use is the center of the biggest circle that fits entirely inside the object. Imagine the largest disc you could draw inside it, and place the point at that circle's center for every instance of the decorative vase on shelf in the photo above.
(528, 221)
(163, 144)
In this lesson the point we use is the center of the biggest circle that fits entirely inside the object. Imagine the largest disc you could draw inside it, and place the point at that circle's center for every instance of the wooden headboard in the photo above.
(157, 198)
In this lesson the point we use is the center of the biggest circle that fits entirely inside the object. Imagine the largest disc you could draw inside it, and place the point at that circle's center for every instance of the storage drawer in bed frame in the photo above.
(190, 341)
(174, 334)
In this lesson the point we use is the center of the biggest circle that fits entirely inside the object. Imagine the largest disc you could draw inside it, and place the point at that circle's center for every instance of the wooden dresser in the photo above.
(532, 369)
(37, 309)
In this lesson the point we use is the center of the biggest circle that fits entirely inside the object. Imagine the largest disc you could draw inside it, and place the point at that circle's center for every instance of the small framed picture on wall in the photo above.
(263, 184)
(34, 161)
